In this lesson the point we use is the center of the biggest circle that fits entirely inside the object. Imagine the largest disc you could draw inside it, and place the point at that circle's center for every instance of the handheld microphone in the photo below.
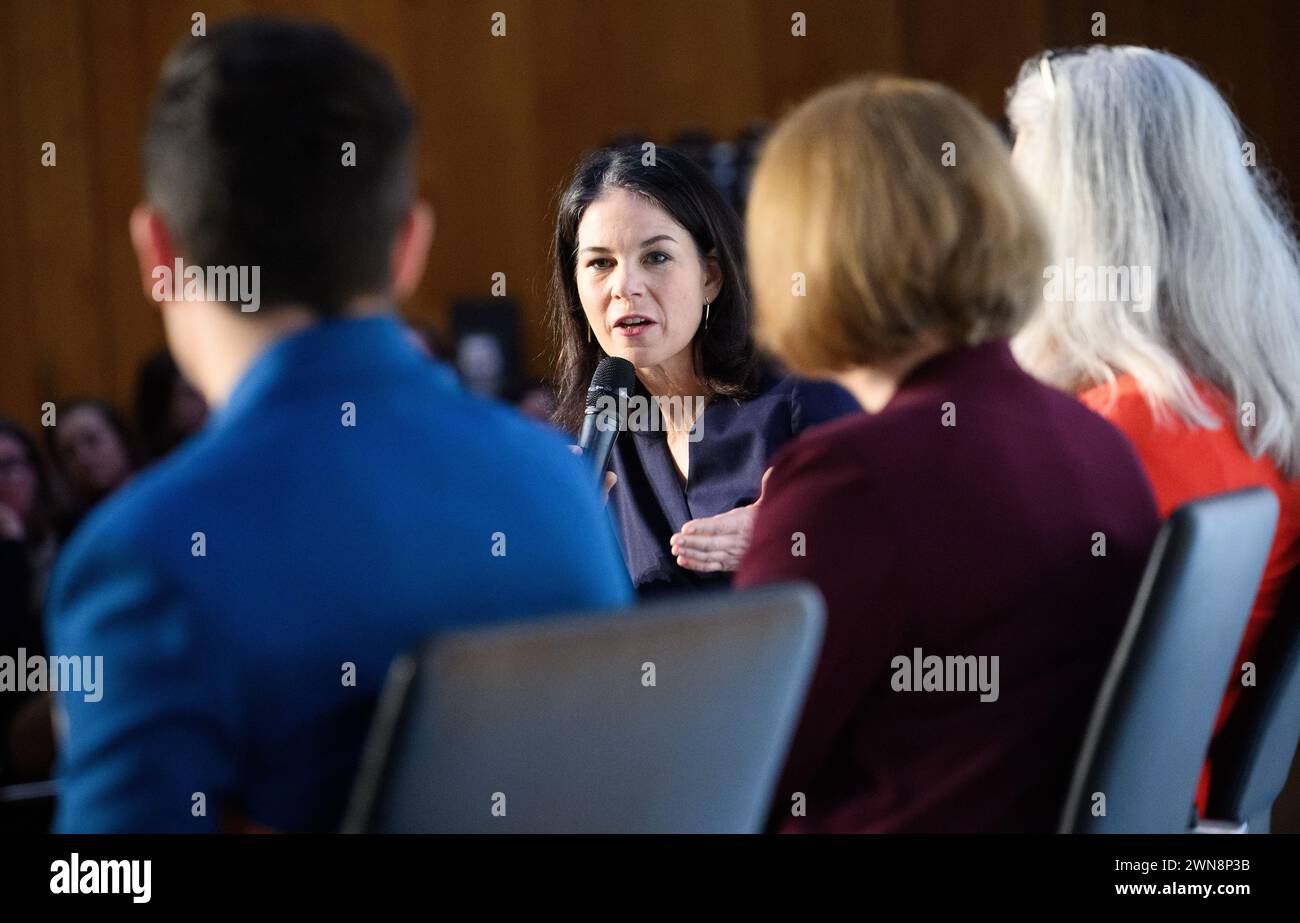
(601, 420)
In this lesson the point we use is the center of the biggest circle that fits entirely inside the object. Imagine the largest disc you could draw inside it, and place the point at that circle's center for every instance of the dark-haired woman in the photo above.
(94, 451)
(647, 265)
(27, 549)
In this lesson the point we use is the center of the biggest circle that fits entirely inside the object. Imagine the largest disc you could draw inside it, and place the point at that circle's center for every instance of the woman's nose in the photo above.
(625, 283)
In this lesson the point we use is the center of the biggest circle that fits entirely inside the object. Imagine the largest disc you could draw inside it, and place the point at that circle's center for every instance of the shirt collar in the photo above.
(962, 366)
(328, 351)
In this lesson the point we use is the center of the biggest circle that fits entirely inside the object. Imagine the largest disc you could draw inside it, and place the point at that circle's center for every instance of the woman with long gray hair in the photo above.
(1171, 303)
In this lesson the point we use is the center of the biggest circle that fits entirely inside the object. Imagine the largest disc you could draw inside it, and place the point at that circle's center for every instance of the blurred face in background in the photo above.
(18, 479)
(91, 453)
(1027, 154)
(643, 283)
(188, 409)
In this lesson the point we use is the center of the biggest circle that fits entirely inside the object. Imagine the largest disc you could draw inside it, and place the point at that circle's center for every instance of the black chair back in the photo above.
(1253, 753)
(1150, 728)
(672, 718)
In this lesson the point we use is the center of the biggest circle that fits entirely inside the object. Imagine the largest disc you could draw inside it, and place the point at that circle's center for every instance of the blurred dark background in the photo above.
(502, 122)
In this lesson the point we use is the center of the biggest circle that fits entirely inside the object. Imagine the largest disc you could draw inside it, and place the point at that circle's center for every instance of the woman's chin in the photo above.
(640, 355)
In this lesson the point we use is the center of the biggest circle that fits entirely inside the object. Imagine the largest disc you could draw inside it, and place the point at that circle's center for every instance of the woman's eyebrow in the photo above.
(645, 243)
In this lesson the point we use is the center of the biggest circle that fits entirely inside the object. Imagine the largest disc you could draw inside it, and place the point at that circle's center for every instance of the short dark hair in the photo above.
(112, 419)
(724, 354)
(243, 157)
(42, 513)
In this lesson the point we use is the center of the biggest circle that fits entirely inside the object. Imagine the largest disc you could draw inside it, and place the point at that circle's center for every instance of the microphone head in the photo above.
(612, 376)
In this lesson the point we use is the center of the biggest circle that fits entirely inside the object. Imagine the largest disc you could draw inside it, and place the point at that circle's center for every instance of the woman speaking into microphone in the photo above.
(647, 265)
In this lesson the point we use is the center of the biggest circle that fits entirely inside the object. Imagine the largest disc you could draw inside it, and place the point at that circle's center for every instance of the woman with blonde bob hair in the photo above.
(1146, 174)
(953, 529)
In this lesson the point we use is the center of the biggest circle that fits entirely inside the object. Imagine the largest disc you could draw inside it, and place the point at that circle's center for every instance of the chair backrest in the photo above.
(673, 717)
(1253, 752)
(1150, 728)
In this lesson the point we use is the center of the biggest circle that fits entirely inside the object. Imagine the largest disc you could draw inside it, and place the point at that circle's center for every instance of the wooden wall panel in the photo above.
(976, 48)
(18, 388)
(52, 219)
(115, 61)
(502, 122)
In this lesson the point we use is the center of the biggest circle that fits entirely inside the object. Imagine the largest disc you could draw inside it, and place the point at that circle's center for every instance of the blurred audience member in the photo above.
(1138, 160)
(93, 450)
(167, 407)
(27, 549)
(537, 403)
(955, 524)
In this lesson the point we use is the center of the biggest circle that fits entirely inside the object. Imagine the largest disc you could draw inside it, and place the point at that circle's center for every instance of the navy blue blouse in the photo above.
(737, 439)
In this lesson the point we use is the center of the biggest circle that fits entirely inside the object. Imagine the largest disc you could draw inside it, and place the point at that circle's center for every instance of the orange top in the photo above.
(1186, 463)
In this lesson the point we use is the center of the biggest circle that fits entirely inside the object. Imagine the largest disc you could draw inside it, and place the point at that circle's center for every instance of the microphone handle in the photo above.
(599, 432)
(588, 432)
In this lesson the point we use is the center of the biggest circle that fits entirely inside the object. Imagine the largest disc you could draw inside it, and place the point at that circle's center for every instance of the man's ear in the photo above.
(411, 249)
(153, 245)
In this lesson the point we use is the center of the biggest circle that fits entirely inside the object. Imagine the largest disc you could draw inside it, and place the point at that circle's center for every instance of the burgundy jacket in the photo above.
(967, 519)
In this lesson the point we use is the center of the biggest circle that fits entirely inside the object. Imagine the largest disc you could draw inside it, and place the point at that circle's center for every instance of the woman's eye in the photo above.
(600, 262)
(657, 258)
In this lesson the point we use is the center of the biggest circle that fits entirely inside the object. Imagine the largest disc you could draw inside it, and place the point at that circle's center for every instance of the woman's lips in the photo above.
(621, 328)
(633, 331)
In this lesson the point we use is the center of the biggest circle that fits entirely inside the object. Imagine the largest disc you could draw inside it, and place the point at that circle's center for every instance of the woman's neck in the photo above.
(673, 378)
(874, 385)
(677, 389)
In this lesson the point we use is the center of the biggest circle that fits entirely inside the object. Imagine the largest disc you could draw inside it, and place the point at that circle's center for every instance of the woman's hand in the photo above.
(717, 543)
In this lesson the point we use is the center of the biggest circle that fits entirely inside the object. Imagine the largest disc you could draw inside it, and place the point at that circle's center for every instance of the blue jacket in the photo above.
(237, 590)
